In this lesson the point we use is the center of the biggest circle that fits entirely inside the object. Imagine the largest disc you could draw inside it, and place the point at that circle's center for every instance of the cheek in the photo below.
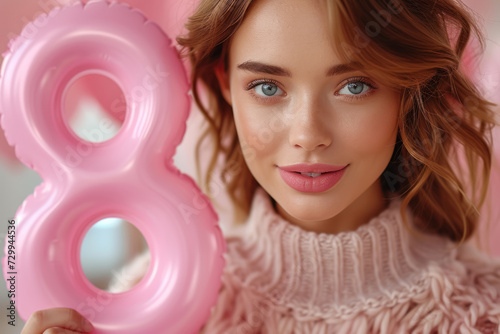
(372, 131)
(260, 131)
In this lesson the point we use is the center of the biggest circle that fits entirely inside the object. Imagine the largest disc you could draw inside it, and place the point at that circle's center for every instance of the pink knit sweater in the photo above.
(280, 279)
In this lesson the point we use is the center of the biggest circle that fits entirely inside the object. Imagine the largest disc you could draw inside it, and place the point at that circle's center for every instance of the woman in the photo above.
(342, 126)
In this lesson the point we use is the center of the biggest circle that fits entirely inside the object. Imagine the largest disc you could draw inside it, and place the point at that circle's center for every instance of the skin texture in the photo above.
(308, 116)
(57, 320)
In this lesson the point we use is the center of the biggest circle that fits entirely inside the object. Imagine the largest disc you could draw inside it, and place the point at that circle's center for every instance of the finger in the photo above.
(65, 318)
(57, 330)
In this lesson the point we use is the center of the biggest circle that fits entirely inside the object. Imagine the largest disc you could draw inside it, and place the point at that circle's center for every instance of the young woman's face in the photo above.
(298, 110)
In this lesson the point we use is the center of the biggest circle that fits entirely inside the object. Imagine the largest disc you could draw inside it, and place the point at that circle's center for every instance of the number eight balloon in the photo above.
(130, 176)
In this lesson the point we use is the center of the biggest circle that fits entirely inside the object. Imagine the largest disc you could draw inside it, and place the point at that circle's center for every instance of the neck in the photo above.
(370, 204)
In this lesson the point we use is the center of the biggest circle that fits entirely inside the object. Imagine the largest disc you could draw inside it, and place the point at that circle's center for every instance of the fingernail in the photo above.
(87, 327)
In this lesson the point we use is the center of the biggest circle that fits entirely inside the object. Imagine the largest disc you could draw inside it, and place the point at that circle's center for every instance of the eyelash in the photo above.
(250, 87)
(354, 97)
(358, 97)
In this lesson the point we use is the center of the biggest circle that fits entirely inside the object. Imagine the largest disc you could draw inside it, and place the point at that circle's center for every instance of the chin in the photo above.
(316, 217)
(310, 213)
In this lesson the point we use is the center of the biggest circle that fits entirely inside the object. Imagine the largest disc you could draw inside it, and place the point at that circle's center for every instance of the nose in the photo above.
(309, 128)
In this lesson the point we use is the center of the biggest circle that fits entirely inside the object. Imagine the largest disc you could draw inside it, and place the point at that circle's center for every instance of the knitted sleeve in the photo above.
(475, 297)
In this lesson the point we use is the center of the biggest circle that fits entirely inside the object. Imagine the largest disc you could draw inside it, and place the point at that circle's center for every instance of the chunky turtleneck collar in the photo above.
(329, 274)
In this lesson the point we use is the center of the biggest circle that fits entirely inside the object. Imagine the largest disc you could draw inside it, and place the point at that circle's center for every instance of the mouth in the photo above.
(311, 178)
(311, 174)
(313, 170)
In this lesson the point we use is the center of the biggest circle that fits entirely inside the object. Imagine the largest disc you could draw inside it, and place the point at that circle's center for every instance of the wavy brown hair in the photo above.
(442, 159)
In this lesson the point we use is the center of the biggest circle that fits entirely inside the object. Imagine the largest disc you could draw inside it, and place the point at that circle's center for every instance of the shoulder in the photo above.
(480, 275)
(463, 294)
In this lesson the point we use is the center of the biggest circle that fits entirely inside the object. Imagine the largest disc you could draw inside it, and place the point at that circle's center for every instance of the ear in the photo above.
(223, 79)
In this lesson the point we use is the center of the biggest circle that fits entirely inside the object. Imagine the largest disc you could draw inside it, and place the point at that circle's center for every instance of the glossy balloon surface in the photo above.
(130, 176)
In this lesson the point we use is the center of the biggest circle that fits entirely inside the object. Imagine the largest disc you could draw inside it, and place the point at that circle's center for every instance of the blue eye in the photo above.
(355, 88)
(267, 89)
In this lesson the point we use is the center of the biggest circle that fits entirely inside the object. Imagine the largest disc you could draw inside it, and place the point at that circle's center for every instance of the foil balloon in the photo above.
(14, 15)
(130, 176)
(170, 15)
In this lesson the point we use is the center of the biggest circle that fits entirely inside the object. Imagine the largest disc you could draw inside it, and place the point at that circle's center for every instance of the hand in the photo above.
(57, 321)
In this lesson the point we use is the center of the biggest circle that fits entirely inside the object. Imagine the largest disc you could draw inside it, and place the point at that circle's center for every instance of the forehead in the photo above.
(288, 30)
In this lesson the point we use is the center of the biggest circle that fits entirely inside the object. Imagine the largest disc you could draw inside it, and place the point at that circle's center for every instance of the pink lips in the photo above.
(330, 175)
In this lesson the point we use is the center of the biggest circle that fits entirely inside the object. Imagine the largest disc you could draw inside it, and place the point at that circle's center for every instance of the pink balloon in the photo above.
(170, 15)
(20, 13)
(125, 177)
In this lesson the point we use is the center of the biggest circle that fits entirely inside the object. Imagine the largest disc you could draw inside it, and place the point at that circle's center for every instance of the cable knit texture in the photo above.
(381, 278)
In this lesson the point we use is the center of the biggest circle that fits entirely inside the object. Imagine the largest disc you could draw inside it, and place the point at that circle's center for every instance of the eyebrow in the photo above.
(342, 68)
(258, 67)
